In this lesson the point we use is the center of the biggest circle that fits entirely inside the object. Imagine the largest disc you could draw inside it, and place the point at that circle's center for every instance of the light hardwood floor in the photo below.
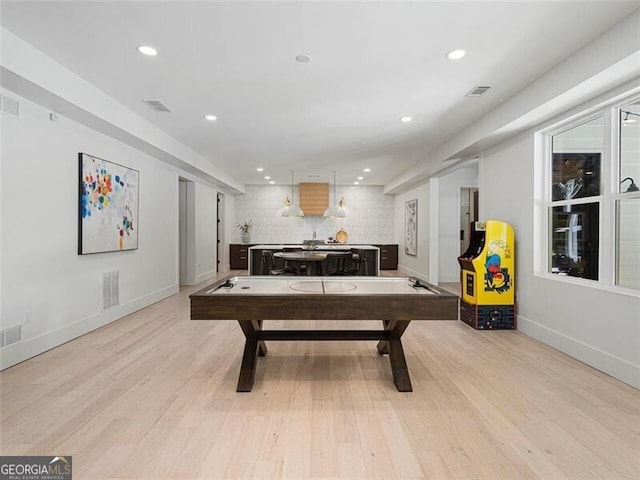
(153, 396)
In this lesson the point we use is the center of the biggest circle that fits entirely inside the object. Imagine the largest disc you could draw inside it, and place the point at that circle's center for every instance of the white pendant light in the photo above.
(335, 210)
(290, 209)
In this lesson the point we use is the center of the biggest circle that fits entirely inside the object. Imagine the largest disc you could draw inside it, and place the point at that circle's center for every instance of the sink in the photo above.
(314, 242)
(311, 244)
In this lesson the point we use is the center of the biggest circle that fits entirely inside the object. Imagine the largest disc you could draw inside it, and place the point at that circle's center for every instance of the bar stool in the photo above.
(268, 265)
(334, 263)
(355, 263)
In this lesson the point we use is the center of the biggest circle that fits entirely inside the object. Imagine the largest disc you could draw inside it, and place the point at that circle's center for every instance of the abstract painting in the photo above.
(411, 227)
(108, 206)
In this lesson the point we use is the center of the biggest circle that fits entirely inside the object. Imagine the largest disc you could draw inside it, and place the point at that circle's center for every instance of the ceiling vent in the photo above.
(157, 105)
(477, 91)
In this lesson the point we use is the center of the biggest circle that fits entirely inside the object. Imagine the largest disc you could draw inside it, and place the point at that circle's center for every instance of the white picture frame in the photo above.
(411, 227)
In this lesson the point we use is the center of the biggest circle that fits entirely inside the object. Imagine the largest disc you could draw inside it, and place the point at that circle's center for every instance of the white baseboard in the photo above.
(617, 367)
(412, 273)
(23, 350)
(449, 279)
(203, 277)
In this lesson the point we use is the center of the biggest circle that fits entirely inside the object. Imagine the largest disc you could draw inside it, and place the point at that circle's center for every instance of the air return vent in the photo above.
(10, 106)
(477, 91)
(10, 335)
(110, 289)
(157, 105)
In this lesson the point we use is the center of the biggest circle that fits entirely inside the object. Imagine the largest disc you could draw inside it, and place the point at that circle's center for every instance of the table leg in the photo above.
(383, 345)
(399, 366)
(252, 348)
(393, 347)
(248, 328)
(262, 347)
(248, 367)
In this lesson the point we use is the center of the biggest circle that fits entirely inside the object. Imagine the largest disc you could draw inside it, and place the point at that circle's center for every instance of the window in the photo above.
(628, 198)
(576, 197)
(592, 199)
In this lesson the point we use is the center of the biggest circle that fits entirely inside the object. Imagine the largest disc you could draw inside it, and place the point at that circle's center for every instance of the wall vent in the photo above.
(157, 105)
(477, 91)
(110, 289)
(10, 335)
(10, 106)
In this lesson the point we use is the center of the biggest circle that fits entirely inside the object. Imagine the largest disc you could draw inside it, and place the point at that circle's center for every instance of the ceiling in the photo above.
(371, 64)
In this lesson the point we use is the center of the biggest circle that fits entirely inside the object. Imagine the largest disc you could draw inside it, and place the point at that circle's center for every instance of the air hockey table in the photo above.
(395, 301)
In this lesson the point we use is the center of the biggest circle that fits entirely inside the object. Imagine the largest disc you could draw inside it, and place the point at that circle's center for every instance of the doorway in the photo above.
(220, 209)
(468, 215)
(186, 232)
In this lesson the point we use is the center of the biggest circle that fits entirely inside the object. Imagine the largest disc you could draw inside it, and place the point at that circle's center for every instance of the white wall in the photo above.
(206, 234)
(449, 220)
(369, 214)
(418, 264)
(47, 288)
(597, 326)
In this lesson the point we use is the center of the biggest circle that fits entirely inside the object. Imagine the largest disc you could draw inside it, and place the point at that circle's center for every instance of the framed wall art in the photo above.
(411, 227)
(107, 207)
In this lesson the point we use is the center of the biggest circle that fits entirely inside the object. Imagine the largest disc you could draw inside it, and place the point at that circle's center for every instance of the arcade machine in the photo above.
(487, 277)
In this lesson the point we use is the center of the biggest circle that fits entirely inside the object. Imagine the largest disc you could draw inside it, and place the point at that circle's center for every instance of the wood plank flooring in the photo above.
(152, 396)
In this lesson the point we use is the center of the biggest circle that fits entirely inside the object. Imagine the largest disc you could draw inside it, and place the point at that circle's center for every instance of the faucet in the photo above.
(314, 235)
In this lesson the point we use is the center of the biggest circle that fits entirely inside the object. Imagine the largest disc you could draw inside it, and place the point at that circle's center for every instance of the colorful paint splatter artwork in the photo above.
(108, 206)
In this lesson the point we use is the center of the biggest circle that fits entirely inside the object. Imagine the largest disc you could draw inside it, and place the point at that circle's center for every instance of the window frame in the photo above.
(608, 200)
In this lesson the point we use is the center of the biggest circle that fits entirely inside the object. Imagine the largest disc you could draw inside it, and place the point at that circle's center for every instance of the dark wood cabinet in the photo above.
(388, 256)
(239, 256)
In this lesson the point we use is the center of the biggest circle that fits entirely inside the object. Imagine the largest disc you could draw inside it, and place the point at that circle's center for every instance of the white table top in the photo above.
(269, 285)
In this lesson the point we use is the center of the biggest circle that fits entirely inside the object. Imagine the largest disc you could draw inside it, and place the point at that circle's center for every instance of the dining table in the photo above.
(310, 259)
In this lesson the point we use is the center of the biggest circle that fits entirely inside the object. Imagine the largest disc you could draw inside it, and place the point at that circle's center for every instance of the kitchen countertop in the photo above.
(322, 246)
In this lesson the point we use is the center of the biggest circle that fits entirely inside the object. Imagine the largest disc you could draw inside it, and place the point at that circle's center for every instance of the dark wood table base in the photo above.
(388, 343)
(251, 300)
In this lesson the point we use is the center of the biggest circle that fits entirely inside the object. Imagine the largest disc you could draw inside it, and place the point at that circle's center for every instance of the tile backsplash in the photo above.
(370, 216)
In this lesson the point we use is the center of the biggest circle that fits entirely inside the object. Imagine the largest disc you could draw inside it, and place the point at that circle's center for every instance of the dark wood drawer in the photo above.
(388, 256)
(239, 256)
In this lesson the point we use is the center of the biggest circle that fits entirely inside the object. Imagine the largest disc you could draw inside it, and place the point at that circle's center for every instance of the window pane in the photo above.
(629, 147)
(629, 243)
(576, 161)
(575, 241)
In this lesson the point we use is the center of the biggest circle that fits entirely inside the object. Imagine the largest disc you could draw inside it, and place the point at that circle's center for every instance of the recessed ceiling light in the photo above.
(147, 50)
(303, 58)
(360, 178)
(356, 183)
(271, 182)
(210, 117)
(260, 169)
(267, 177)
(367, 170)
(406, 119)
(456, 54)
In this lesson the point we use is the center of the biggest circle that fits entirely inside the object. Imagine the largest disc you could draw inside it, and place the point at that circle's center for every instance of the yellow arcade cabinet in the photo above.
(487, 277)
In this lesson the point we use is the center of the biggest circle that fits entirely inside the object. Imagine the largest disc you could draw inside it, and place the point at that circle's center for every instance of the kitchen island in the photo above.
(371, 253)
